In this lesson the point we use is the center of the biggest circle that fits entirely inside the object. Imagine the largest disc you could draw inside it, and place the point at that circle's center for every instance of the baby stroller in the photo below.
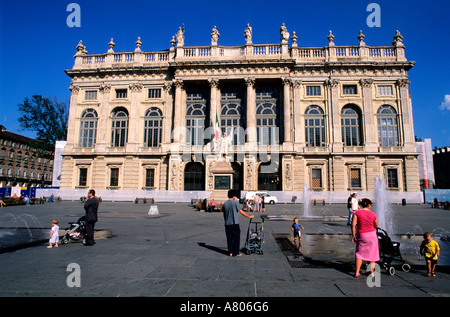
(76, 231)
(389, 252)
(255, 237)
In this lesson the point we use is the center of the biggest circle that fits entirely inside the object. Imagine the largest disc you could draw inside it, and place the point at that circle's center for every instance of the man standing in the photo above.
(230, 209)
(91, 207)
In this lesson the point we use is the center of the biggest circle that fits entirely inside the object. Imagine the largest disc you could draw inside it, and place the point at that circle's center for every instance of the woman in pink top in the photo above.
(364, 234)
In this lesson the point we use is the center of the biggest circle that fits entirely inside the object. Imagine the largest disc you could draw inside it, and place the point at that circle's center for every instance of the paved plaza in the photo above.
(181, 252)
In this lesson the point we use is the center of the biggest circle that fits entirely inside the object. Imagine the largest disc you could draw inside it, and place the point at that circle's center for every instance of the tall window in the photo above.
(114, 177)
(392, 178)
(153, 127)
(88, 128)
(387, 126)
(355, 178)
(195, 123)
(82, 181)
(119, 127)
(314, 126)
(196, 100)
(351, 126)
(267, 115)
(150, 177)
(316, 178)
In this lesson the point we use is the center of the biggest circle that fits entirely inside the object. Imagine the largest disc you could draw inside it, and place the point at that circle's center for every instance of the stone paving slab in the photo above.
(182, 253)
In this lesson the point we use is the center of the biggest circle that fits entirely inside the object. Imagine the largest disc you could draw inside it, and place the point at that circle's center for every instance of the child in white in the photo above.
(54, 234)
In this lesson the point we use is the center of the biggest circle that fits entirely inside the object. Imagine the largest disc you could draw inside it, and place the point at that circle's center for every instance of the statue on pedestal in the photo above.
(248, 34)
(284, 34)
(180, 36)
(214, 36)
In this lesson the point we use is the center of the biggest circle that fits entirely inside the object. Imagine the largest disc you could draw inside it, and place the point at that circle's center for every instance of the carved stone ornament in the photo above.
(398, 39)
(105, 88)
(178, 83)
(74, 88)
(332, 82)
(330, 38)
(404, 82)
(249, 81)
(366, 82)
(81, 49)
(361, 37)
(135, 87)
(138, 45)
(294, 38)
(213, 82)
(111, 46)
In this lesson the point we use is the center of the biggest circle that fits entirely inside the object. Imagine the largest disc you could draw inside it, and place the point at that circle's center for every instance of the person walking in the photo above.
(364, 234)
(91, 207)
(231, 208)
(352, 205)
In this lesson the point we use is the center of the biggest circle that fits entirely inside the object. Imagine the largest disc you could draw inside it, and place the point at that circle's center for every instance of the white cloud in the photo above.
(446, 104)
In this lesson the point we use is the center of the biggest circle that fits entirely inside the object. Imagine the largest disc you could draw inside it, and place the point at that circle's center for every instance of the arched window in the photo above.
(195, 123)
(387, 126)
(88, 128)
(119, 127)
(194, 176)
(314, 126)
(351, 126)
(231, 121)
(153, 127)
(267, 123)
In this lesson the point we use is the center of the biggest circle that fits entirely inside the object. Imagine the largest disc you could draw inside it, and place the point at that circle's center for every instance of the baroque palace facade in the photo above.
(280, 116)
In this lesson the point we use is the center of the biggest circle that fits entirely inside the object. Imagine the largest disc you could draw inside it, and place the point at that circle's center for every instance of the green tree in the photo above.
(47, 117)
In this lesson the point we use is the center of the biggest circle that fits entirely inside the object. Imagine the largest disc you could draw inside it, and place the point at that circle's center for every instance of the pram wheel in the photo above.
(391, 270)
(406, 267)
(64, 240)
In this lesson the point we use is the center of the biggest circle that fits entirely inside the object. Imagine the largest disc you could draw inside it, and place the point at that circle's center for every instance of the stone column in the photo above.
(133, 120)
(299, 122)
(103, 136)
(287, 111)
(251, 113)
(168, 114)
(405, 115)
(179, 112)
(73, 122)
(214, 102)
(370, 126)
(334, 115)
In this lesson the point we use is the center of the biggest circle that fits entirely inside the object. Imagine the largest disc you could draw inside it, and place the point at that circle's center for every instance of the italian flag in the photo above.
(217, 128)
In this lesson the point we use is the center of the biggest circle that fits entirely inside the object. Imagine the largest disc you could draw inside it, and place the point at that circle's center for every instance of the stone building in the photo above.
(22, 162)
(275, 116)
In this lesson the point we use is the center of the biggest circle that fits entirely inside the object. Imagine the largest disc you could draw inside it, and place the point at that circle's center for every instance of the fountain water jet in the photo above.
(306, 201)
(383, 207)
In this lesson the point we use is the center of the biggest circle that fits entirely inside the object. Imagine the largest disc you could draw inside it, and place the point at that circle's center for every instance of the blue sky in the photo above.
(36, 45)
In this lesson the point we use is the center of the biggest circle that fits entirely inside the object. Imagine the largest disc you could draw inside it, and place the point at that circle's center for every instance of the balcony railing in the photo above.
(244, 52)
